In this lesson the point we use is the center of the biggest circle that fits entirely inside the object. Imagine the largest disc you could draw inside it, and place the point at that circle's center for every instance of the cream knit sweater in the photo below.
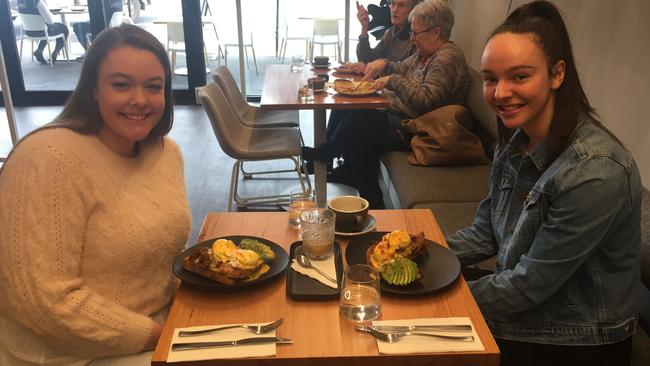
(87, 240)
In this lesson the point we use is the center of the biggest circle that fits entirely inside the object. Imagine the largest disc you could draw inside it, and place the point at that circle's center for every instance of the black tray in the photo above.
(301, 287)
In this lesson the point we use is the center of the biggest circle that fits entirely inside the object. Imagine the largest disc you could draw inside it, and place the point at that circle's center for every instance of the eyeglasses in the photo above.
(415, 34)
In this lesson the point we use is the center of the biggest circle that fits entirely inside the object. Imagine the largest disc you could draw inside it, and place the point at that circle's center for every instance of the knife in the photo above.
(238, 342)
(436, 327)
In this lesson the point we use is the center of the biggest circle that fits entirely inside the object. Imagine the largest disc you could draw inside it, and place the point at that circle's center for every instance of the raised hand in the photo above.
(364, 19)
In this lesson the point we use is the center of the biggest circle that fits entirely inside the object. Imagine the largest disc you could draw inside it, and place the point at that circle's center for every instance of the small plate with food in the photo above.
(230, 262)
(407, 264)
(354, 88)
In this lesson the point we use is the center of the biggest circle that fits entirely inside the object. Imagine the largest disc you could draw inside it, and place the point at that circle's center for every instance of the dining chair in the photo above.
(244, 143)
(253, 116)
(35, 23)
(246, 47)
(326, 32)
(294, 35)
(176, 42)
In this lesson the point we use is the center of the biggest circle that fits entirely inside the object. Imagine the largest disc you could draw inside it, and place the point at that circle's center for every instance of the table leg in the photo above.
(320, 168)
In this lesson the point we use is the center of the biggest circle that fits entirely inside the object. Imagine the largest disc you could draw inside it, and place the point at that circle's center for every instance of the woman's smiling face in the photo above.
(517, 84)
(130, 97)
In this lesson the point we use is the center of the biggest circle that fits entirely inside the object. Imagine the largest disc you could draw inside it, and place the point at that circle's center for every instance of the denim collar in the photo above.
(516, 146)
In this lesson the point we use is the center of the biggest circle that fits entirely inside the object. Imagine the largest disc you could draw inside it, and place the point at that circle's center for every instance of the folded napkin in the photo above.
(252, 350)
(416, 344)
(326, 266)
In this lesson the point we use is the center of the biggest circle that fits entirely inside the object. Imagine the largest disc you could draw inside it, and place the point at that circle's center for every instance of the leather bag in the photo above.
(444, 137)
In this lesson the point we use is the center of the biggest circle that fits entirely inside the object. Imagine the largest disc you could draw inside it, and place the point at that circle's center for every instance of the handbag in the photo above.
(444, 137)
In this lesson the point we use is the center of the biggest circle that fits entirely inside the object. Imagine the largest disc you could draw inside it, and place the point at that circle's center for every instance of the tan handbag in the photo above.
(443, 137)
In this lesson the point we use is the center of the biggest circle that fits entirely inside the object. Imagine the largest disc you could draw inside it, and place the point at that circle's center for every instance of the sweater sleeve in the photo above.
(43, 221)
(442, 76)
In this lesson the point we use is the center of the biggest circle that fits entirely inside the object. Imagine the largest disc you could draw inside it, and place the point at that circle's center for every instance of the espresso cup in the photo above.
(351, 213)
(316, 83)
(321, 60)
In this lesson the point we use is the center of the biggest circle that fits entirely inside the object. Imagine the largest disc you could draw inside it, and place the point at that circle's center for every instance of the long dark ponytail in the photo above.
(544, 21)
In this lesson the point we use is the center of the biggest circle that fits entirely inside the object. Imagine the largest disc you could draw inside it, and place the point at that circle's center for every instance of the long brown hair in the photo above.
(544, 21)
(81, 113)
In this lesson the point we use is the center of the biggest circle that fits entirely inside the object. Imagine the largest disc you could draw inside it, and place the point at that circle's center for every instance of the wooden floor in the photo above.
(207, 168)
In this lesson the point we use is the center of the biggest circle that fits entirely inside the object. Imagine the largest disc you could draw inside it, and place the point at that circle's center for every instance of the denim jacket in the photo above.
(566, 240)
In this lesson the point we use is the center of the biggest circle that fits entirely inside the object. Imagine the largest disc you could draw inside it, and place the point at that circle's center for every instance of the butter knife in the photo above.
(238, 342)
(434, 327)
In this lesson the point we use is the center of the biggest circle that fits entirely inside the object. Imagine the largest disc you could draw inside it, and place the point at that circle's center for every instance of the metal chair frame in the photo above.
(244, 143)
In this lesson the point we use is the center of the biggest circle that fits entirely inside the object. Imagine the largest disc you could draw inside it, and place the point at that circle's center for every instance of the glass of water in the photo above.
(317, 233)
(300, 201)
(360, 300)
(297, 63)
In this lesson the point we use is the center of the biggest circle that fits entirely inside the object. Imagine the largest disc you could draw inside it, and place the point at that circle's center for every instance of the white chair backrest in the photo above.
(175, 33)
(119, 18)
(326, 27)
(32, 22)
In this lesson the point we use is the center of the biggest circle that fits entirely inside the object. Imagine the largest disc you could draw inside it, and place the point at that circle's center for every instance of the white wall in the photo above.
(612, 49)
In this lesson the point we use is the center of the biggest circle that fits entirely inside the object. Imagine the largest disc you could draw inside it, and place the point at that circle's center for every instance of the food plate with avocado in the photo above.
(420, 269)
(230, 262)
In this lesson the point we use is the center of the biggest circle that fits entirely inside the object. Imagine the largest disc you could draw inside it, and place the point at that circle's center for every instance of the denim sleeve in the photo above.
(576, 221)
(476, 242)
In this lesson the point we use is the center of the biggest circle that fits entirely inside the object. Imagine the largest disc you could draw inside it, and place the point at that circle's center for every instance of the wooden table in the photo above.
(321, 336)
(280, 91)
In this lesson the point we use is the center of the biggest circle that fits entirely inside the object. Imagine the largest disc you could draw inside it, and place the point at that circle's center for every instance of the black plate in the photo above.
(301, 287)
(439, 265)
(277, 266)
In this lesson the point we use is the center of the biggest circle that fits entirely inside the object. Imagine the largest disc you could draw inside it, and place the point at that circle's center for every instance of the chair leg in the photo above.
(49, 50)
(233, 184)
(257, 72)
(20, 54)
(246, 58)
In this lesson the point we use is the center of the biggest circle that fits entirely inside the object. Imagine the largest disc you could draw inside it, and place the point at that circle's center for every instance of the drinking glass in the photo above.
(360, 300)
(298, 202)
(317, 232)
(306, 94)
(296, 63)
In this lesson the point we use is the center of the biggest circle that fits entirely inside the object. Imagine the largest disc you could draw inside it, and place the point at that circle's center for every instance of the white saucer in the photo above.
(370, 226)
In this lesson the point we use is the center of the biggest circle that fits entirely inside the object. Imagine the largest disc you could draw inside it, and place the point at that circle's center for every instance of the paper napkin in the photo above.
(326, 266)
(416, 344)
(252, 350)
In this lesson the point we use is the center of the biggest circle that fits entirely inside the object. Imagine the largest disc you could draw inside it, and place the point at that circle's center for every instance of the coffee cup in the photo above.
(324, 76)
(321, 60)
(316, 83)
(351, 213)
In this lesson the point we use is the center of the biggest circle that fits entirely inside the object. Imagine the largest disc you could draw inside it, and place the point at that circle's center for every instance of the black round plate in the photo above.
(277, 266)
(439, 266)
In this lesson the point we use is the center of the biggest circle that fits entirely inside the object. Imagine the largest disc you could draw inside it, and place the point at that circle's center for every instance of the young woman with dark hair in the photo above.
(93, 211)
(562, 214)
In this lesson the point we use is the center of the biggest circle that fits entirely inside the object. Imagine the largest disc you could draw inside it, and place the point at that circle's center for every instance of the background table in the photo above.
(321, 336)
(280, 91)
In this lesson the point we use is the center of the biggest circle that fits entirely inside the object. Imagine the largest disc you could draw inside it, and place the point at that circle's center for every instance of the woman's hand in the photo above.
(372, 69)
(358, 67)
(381, 82)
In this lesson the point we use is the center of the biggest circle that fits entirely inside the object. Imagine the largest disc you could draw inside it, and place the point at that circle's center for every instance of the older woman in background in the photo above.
(435, 75)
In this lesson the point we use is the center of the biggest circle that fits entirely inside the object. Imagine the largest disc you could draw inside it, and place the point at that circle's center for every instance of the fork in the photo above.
(257, 329)
(394, 337)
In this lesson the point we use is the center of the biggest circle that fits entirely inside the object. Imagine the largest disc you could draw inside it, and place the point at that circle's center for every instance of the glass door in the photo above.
(174, 22)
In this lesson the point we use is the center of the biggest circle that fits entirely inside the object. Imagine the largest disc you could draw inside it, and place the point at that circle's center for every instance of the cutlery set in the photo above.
(386, 333)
